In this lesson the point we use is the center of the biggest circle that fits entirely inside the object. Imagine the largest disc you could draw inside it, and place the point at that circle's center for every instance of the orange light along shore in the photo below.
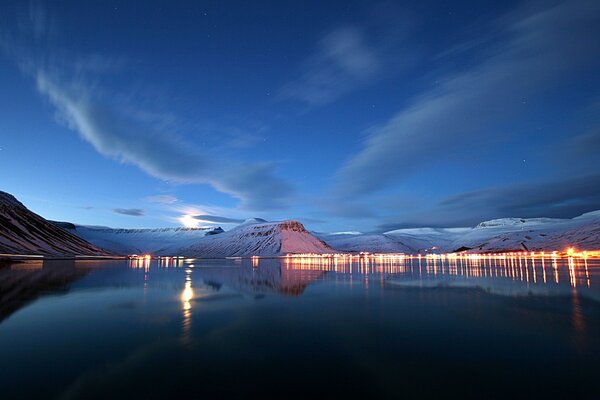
(569, 252)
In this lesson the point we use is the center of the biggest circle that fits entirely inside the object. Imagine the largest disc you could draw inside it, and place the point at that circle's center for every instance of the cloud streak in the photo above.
(215, 219)
(133, 212)
(124, 132)
(563, 198)
(343, 62)
(537, 48)
(162, 199)
(123, 136)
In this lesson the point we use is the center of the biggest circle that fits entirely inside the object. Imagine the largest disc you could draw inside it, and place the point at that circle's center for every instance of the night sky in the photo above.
(349, 116)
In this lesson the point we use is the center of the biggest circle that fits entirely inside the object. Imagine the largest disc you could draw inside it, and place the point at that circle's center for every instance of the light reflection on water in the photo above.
(375, 323)
(515, 267)
(523, 268)
(187, 295)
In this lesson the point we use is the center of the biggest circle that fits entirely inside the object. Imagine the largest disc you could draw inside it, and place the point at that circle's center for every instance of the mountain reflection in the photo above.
(509, 275)
(23, 282)
(260, 276)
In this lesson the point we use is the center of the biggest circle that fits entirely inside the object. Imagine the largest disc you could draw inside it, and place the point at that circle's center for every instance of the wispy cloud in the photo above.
(123, 130)
(561, 198)
(131, 139)
(207, 213)
(216, 219)
(343, 62)
(133, 212)
(536, 49)
(162, 199)
(587, 144)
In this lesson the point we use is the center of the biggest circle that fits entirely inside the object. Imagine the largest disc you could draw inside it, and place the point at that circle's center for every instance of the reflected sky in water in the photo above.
(300, 327)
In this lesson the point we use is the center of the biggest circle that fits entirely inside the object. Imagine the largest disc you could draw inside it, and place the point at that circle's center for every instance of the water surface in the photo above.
(386, 327)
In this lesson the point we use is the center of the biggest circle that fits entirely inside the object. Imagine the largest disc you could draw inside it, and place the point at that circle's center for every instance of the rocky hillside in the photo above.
(24, 232)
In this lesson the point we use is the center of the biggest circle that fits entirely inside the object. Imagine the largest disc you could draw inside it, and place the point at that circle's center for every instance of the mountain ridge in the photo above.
(497, 235)
(260, 239)
(24, 232)
(247, 239)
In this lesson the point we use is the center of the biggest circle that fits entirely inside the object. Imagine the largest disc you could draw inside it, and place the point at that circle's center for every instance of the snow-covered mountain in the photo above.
(159, 241)
(24, 232)
(582, 232)
(498, 235)
(372, 243)
(252, 238)
(259, 239)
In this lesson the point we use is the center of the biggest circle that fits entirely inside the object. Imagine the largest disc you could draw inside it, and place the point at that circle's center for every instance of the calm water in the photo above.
(298, 328)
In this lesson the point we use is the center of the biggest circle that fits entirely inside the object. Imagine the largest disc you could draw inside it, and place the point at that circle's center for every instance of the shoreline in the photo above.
(6, 257)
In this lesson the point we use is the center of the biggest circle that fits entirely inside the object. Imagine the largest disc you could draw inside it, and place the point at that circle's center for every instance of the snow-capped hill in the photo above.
(498, 235)
(581, 233)
(24, 232)
(589, 215)
(158, 241)
(262, 239)
(259, 239)
(407, 240)
(372, 243)
(506, 222)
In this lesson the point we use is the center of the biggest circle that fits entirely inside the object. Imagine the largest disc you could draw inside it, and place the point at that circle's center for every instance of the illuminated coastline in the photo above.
(569, 266)
(528, 267)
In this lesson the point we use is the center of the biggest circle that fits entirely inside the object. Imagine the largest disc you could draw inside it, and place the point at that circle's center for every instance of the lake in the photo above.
(387, 327)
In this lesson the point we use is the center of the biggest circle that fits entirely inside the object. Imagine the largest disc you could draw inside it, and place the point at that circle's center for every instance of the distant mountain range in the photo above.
(498, 235)
(159, 241)
(24, 232)
(252, 237)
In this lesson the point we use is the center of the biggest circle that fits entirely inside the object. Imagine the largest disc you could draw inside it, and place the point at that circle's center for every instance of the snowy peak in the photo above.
(251, 239)
(508, 222)
(290, 225)
(589, 215)
(260, 239)
(497, 235)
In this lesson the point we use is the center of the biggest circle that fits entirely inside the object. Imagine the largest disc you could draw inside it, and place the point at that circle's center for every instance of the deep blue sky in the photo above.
(350, 116)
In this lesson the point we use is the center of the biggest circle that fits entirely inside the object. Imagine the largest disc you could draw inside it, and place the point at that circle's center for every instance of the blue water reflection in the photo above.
(300, 327)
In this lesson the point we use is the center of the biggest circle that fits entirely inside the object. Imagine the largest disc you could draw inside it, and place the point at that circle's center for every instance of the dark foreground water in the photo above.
(300, 328)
